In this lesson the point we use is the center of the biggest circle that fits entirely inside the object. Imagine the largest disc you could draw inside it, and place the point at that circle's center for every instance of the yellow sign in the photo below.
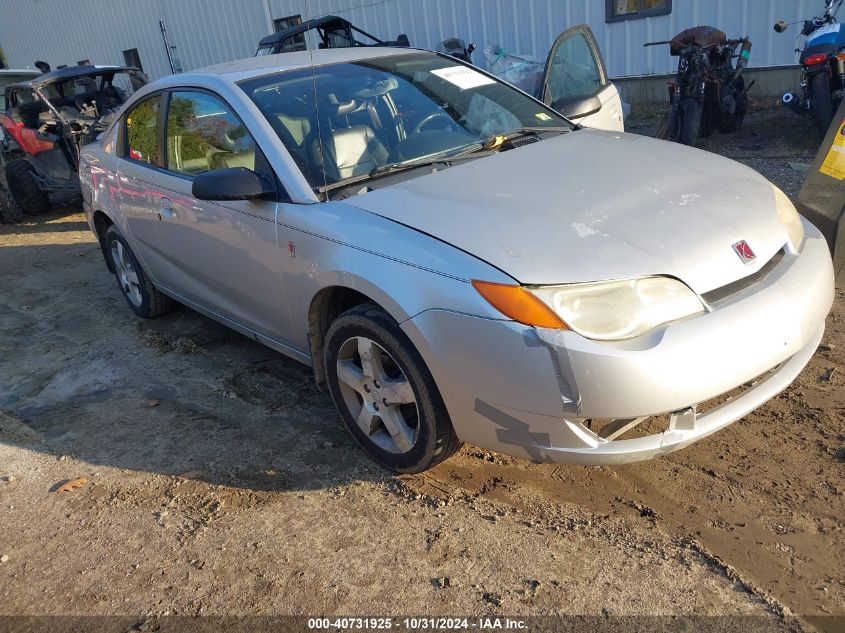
(834, 162)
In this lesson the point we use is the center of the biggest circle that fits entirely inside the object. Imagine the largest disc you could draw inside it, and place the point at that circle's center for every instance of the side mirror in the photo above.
(780, 26)
(577, 107)
(235, 183)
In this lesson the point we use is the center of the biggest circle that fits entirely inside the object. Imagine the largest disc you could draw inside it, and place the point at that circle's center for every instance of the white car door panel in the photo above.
(575, 82)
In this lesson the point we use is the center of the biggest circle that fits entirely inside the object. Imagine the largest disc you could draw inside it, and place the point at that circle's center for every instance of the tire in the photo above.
(403, 436)
(690, 111)
(822, 101)
(20, 177)
(732, 122)
(10, 211)
(143, 298)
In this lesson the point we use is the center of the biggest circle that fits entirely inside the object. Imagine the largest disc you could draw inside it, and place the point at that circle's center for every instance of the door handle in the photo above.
(165, 209)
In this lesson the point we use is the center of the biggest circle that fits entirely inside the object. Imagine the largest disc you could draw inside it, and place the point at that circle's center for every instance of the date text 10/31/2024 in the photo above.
(417, 624)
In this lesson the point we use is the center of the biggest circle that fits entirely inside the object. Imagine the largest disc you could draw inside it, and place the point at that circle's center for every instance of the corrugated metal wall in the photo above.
(211, 31)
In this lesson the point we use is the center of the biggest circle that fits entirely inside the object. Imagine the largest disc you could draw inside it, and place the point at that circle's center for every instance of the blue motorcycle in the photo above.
(822, 66)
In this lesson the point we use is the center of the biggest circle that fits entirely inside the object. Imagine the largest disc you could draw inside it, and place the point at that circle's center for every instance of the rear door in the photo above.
(575, 82)
(137, 171)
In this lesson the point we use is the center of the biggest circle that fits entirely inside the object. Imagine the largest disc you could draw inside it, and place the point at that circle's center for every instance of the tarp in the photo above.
(822, 196)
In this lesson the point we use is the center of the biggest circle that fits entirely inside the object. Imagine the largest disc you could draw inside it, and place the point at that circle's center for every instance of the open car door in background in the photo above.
(575, 82)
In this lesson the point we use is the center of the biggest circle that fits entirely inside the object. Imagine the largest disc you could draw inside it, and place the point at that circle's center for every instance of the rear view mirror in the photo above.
(780, 26)
(236, 183)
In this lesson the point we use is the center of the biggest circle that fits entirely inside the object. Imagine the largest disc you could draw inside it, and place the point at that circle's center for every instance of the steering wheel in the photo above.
(431, 118)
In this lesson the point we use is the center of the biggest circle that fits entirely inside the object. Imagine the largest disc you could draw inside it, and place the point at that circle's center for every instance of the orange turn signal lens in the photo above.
(518, 304)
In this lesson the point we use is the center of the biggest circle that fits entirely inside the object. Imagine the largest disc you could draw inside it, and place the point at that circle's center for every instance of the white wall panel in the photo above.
(210, 31)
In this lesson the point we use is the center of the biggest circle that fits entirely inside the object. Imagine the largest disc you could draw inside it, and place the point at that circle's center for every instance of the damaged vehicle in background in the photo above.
(47, 119)
(329, 31)
(451, 258)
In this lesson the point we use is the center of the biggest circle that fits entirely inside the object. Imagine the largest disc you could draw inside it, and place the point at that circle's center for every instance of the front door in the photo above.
(223, 255)
(575, 82)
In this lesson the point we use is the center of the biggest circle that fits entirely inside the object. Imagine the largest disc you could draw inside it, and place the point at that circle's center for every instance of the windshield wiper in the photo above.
(392, 168)
(486, 146)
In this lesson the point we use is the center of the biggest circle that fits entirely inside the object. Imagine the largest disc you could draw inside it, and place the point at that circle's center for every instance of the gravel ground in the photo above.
(219, 481)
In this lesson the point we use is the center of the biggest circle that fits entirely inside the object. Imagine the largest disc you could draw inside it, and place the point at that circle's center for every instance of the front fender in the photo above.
(406, 272)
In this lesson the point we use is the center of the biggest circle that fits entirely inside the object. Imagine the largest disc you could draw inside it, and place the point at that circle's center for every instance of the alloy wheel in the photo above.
(126, 273)
(378, 394)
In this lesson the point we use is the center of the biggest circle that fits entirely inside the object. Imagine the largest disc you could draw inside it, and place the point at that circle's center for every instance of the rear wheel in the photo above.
(822, 101)
(22, 182)
(385, 393)
(143, 298)
(732, 122)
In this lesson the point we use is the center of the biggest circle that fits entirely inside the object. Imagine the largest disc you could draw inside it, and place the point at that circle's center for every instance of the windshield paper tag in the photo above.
(834, 162)
(543, 116)
(463, 77)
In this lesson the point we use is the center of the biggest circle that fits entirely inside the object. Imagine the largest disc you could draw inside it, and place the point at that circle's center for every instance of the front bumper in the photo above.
(527, 392)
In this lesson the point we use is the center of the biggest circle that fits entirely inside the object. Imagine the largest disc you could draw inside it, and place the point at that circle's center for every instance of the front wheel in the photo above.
(25, 188)
(384, 392)
(822, 101)
(143, 298)
(10, 212)
(690, 113)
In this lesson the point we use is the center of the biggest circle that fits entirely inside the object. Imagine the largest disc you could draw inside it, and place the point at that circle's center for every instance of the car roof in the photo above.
(315, 23)
(71, 72)
(252, 67)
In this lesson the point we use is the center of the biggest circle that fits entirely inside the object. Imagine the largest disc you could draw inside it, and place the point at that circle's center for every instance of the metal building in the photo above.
(203, 32)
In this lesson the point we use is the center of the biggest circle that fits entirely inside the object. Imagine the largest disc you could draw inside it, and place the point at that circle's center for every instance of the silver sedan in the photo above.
(457, 261)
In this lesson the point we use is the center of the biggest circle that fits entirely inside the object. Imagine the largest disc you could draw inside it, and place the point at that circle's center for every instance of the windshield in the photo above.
(343, 121)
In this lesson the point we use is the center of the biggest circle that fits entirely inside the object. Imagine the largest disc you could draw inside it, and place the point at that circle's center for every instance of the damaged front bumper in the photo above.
(536, 393)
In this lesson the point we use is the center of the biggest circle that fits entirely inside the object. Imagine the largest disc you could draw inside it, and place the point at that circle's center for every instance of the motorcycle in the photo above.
(709, 91)
(822, 66)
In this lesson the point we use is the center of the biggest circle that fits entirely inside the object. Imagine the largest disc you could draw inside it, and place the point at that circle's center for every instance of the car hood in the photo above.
(591, 206)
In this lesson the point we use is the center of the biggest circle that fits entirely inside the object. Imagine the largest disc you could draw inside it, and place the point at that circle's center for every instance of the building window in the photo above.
(296, 43)
(132, 58)
(634, 9)
(285, 23)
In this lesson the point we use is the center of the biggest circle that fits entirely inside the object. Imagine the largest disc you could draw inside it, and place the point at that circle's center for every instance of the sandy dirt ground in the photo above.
(219, 479)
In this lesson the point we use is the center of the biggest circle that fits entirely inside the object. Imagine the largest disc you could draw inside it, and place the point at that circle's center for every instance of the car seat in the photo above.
(345, 150)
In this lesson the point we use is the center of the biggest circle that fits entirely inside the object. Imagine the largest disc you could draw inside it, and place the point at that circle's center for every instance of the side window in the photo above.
(142, 131)
(204, 134)
(575, 70)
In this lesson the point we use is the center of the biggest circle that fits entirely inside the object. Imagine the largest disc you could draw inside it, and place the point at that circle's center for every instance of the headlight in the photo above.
(790, 218)
(620, 309)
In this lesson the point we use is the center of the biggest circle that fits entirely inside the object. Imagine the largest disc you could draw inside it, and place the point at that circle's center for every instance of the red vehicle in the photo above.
(47, 119)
